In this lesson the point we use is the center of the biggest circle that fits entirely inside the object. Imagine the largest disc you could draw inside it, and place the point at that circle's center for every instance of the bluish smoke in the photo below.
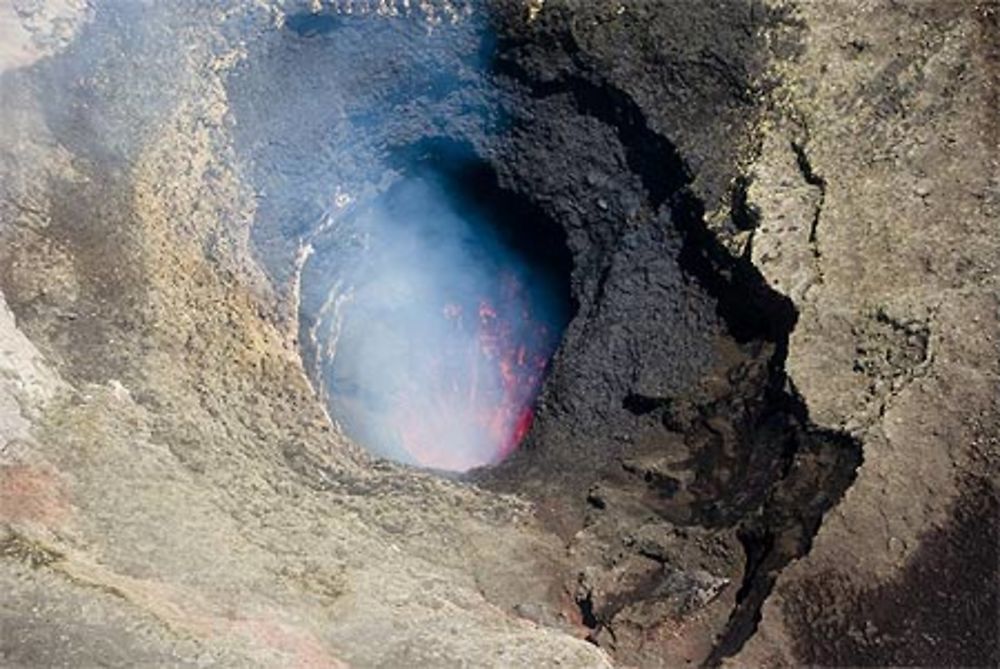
(440, 333)
(423, 328)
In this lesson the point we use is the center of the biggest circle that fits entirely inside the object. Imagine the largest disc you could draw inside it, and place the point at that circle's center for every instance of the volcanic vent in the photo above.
(445, 299)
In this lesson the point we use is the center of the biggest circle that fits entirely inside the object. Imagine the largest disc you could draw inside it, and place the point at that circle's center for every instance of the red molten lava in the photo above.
(475, 405)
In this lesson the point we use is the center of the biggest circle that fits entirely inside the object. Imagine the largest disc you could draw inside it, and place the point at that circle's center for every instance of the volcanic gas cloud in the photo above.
(441, 331)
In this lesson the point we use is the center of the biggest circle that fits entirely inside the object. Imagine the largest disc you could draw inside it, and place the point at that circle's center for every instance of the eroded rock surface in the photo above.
(894, 177)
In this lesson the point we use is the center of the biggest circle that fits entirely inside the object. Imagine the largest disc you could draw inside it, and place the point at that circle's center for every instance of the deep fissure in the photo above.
(752, 311)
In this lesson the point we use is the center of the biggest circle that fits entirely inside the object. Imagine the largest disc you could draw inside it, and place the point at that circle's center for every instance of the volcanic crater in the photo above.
(664, 417)
(410, 333)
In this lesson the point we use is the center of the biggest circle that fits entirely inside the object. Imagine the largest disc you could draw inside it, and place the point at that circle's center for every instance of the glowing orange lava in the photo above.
(483, 395)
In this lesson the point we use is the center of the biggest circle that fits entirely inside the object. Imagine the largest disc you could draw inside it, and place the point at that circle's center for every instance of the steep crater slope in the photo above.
(669, 453)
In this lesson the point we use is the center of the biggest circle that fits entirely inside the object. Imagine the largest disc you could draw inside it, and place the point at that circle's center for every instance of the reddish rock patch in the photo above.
(32, 494)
